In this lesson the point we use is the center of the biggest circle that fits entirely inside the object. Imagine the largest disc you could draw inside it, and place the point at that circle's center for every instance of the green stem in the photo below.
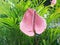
(36, 40)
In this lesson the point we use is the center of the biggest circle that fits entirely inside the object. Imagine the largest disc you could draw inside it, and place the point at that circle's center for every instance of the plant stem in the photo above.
(36, 40)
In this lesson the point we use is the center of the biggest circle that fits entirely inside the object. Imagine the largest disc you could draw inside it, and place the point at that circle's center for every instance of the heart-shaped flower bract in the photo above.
(32, 23)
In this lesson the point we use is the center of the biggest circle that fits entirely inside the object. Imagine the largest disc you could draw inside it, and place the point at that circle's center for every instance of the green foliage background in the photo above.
(11, 13)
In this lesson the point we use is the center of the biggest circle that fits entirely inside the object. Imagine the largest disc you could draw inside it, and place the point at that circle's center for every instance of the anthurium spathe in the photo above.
(32, 23)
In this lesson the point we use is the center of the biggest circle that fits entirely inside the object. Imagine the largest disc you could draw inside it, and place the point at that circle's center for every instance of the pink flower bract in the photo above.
(32, 23)
(53, 2)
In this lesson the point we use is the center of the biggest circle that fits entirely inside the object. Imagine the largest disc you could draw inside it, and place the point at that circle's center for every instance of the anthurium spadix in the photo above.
(32, 23)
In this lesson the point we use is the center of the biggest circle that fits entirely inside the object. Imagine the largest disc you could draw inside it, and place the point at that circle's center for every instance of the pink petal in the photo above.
(40, 24)
(53, 2)
(32, 23)
(26, 24)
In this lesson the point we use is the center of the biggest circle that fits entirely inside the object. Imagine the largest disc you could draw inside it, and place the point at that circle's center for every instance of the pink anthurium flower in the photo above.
(32, 23)
(53, 2)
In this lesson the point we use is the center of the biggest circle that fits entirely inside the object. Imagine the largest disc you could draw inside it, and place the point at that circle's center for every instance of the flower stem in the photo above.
(36, 40)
